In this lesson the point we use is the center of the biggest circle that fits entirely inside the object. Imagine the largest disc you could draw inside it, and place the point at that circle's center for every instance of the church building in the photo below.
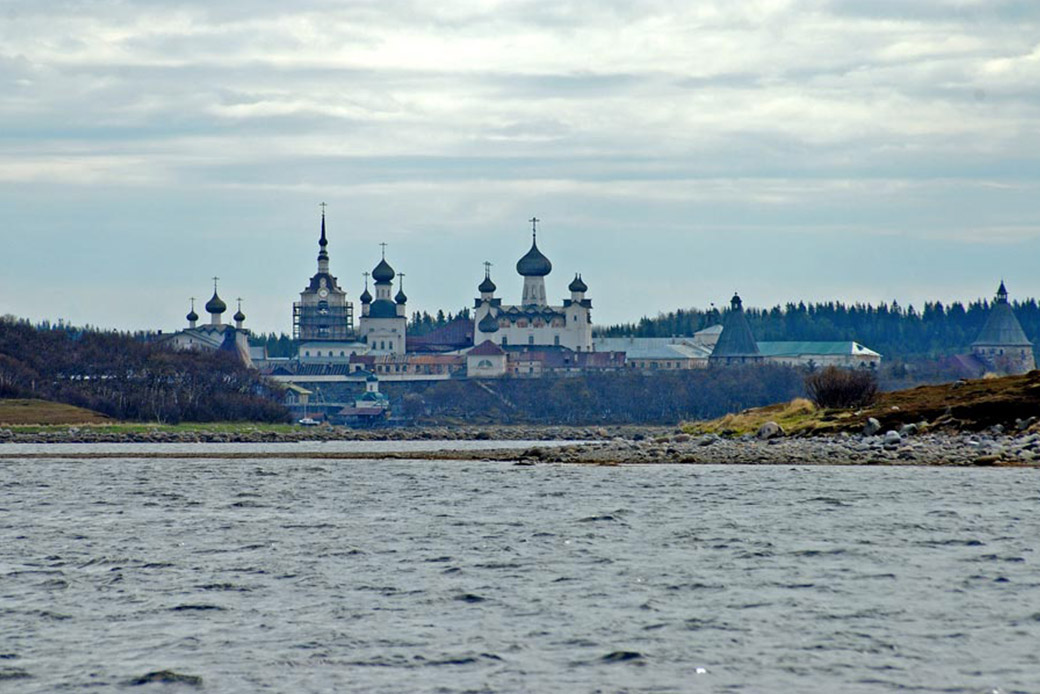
(533, 322)
(323, 312)
(214, 335)
(384, 321)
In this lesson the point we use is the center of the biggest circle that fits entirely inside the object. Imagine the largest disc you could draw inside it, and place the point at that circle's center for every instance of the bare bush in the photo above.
(834, 388)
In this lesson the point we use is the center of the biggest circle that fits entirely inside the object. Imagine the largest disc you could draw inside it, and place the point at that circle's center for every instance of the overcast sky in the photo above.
(676, 151)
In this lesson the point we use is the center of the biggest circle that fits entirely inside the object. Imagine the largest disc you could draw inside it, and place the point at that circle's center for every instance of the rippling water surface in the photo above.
(315, 576)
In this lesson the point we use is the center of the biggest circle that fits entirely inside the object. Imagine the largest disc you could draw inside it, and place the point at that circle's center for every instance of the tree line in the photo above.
(130, 377)
(888, 328)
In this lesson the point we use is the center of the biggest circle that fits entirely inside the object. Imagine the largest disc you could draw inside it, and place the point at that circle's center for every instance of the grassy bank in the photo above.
(21, 412)
(961, 406)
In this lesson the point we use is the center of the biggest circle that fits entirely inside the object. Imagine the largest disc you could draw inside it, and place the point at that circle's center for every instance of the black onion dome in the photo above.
(366, 296)
(401, 297)
(578, 285)
(239, 316)
(534, 264)
(487, 286)
(383, 272)
(192, 316)
(215, 304)
(488, 324)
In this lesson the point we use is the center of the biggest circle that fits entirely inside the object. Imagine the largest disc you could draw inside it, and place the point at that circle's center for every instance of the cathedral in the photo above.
(533, 322)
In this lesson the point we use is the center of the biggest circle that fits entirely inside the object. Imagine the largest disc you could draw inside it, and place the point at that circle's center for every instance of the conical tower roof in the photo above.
(1002, 327)
(736, 339)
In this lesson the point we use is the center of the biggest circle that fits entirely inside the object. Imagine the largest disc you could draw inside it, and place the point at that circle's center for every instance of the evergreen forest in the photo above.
(896, 332)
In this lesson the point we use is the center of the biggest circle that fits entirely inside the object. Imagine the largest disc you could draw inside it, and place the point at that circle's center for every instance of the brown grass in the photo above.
(28, 412)
(961, 406)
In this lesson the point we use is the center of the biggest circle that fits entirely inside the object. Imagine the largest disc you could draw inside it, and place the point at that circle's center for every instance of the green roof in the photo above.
(783, 349)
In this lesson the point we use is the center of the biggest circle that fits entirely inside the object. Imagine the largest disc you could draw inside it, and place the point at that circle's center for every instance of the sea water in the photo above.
(415, 576)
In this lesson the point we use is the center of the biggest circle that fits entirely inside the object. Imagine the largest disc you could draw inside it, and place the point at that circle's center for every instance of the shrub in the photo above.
(841, 388)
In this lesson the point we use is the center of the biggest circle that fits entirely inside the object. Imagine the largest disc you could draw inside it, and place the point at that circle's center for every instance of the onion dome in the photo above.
(487, 286)
(239, 316)
(383, 272)
(534, 264)
(366, 296)
(192, 316)
(577, 285)
(401, 297)
(215, 304)
(382, 308)
(488, 324)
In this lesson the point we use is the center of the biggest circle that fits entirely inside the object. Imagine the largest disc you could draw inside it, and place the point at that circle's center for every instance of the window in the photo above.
(484, 364)
(530, 339)
(505, 340)
(556, 340)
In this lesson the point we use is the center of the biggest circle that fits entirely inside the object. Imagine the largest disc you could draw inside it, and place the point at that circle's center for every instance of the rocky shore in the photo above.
(604, 445)
(889, 448)
(247, 434)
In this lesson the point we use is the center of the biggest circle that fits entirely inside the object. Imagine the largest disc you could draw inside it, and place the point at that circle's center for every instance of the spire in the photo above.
(323, 242)
(1002, 295)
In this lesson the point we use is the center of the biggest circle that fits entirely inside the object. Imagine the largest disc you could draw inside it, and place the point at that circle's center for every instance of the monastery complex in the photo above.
(526, 339)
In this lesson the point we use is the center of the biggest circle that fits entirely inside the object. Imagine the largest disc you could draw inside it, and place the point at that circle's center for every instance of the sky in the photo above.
(675, 151)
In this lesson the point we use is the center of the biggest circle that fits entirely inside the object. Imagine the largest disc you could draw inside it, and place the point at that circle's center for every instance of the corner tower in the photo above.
(1002, 345)
(323, 312)
(736, 344)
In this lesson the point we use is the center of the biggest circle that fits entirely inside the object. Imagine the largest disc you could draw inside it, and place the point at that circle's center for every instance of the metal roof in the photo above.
(652, 347)
(789, 349)
(1002, 328)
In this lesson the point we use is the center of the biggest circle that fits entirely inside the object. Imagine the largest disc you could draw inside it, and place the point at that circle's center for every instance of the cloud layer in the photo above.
(851, 149)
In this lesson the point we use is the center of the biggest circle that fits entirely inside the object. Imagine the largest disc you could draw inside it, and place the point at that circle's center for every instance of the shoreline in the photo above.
(599, 446)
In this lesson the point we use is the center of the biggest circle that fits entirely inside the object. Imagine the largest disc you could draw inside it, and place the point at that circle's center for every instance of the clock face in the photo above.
(323, 293)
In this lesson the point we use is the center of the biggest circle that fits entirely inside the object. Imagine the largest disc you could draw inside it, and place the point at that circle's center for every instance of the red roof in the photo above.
(486, 348)
(457, 334)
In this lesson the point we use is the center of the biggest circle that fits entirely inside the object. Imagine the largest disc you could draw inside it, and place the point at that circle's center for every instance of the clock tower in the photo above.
(323, 312)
